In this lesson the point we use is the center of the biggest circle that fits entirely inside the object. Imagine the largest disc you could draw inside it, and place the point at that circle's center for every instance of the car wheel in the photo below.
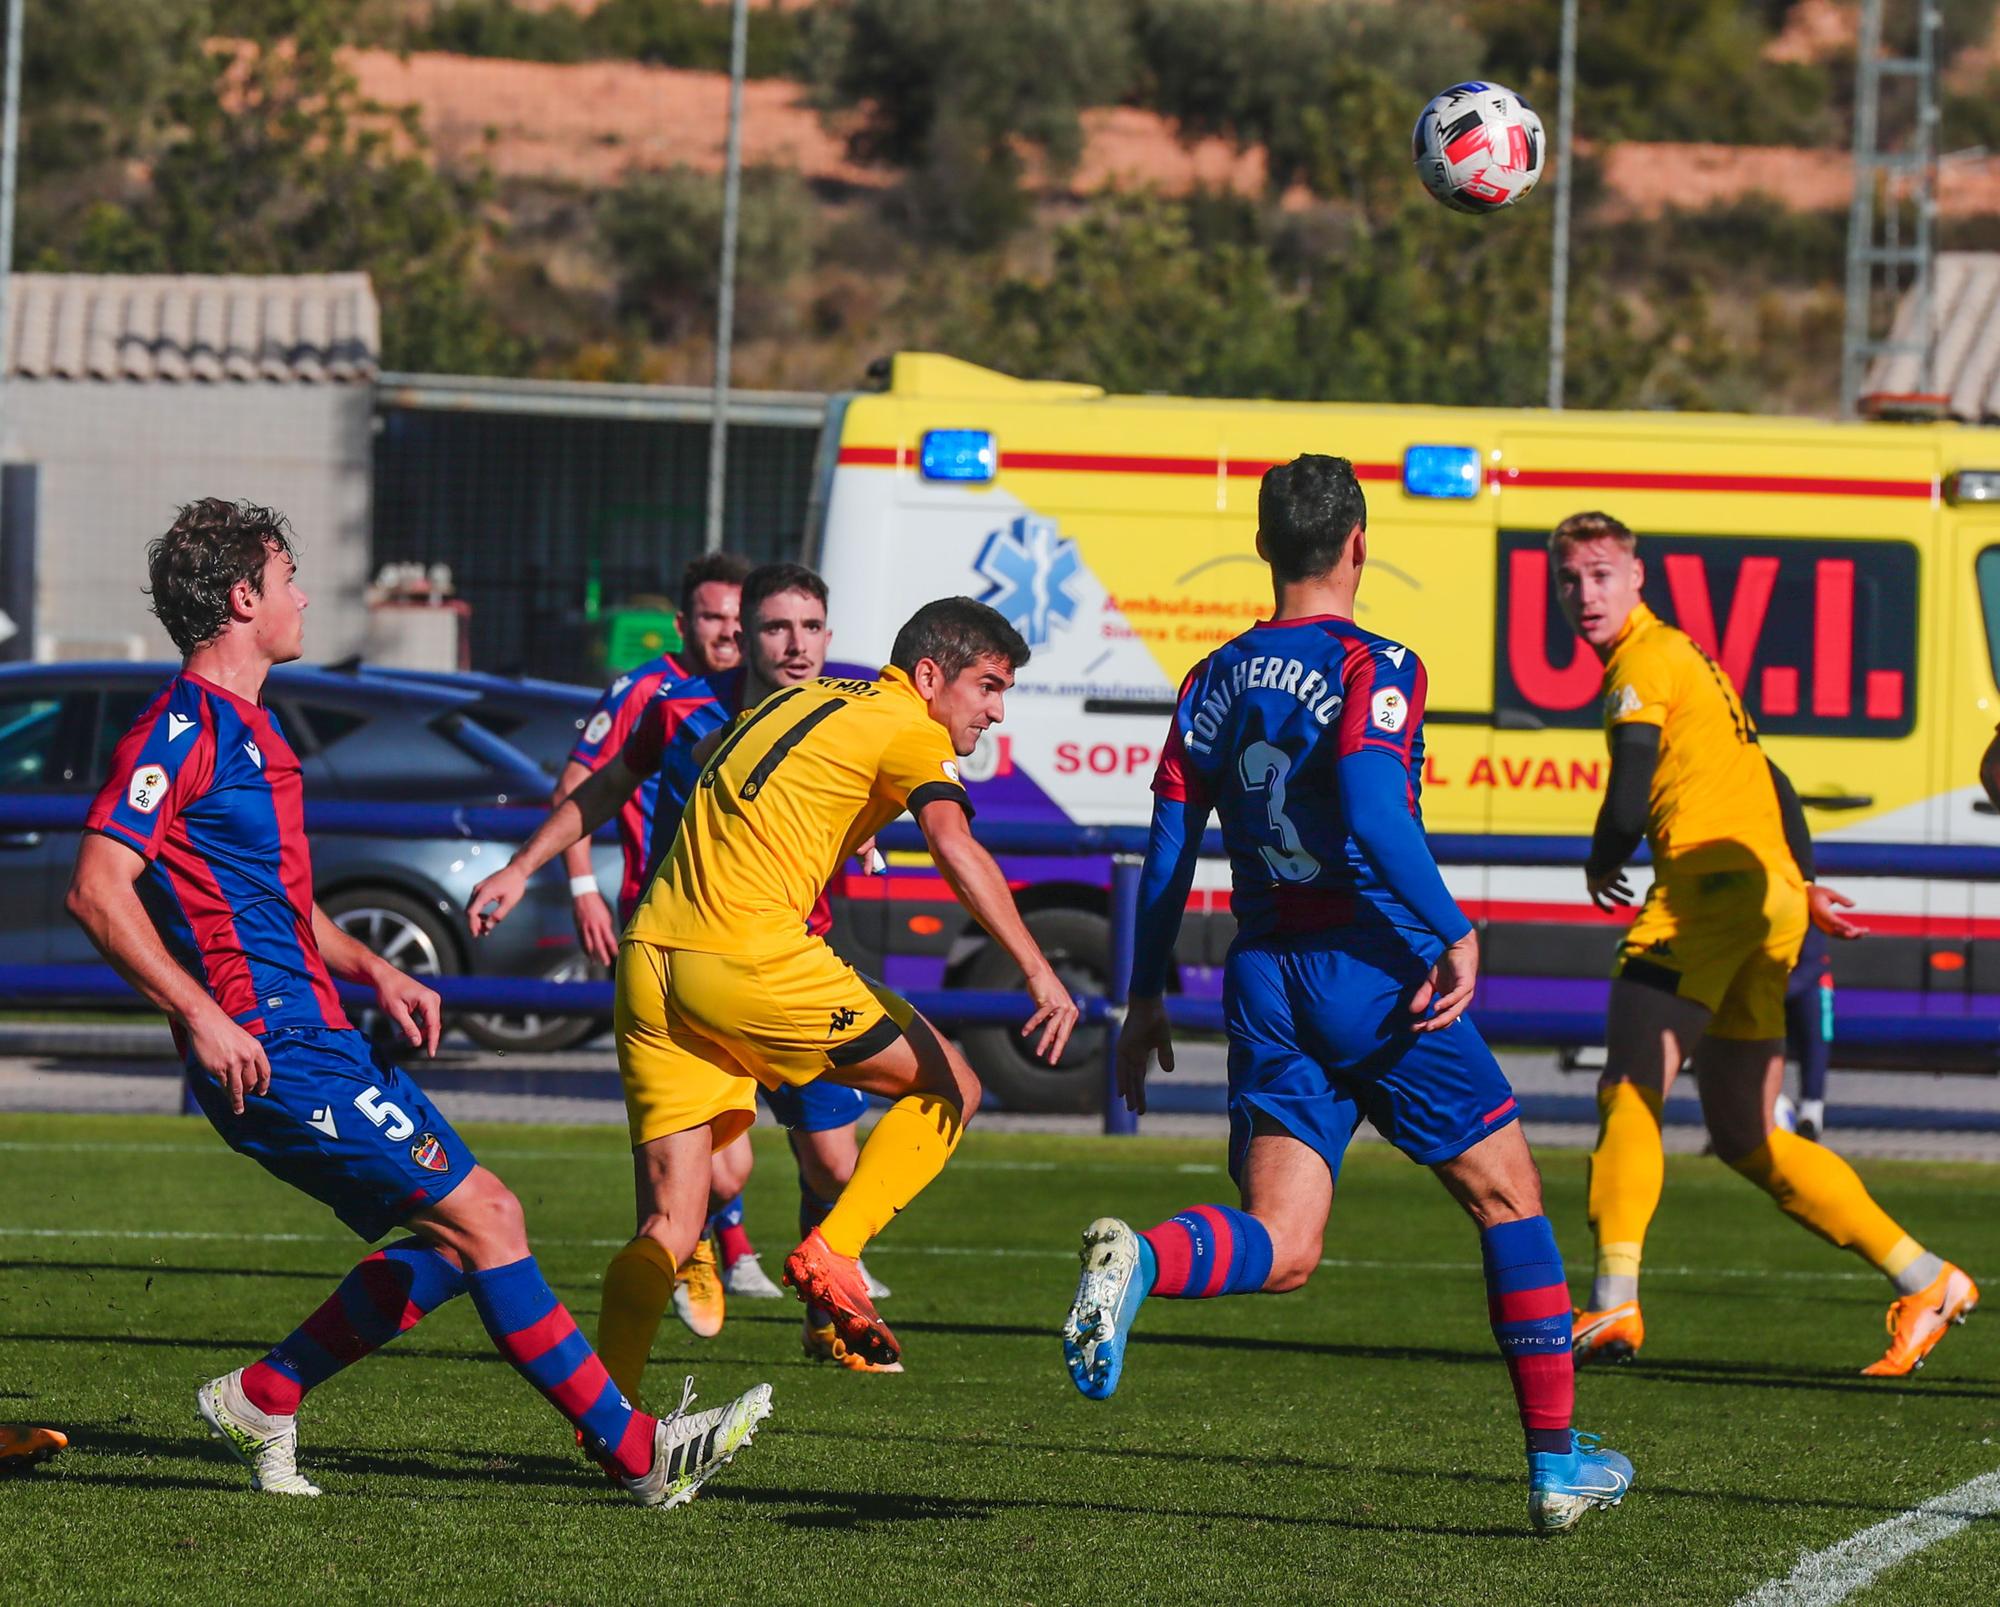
(1078, 945)
(399, 928)
(539, 1034)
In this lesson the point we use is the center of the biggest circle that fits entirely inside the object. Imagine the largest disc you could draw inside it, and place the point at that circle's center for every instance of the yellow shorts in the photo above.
(698, 1032)
(1726, 939)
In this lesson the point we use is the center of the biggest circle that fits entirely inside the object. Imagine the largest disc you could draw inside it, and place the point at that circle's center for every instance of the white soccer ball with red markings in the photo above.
(1479, 147)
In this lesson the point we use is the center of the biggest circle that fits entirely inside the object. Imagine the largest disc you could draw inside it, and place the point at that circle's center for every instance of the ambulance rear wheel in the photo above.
(1078, 945)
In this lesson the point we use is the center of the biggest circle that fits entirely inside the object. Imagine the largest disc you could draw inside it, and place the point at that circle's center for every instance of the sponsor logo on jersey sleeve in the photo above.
(146, 788)
(1395, 654)
(1621, 701)
(1388, 710)
(950, 771)
(600, 722)
(178, 726)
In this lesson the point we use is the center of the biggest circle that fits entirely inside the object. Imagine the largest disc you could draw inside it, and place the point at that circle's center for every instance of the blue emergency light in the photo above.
(1441, 471)
(966, 456)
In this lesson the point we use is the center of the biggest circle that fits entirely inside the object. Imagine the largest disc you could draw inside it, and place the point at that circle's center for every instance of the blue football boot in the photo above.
(1564, 1485)
(1118, 1270)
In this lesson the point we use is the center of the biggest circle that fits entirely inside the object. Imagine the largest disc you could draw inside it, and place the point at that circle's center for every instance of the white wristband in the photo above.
(579, 885)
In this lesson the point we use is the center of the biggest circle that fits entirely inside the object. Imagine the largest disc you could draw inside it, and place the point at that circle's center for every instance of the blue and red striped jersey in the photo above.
(208, 790)
(1259, 730)
(618, 714)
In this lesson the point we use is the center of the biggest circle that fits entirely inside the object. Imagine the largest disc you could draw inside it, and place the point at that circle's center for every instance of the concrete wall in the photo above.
(117, 459)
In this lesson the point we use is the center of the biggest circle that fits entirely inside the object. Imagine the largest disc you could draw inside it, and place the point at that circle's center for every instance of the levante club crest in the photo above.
(428, 1153)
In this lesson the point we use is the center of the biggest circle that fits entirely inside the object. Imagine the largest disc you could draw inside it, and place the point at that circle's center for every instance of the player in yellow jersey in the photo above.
(721, 987)
(1701, 973)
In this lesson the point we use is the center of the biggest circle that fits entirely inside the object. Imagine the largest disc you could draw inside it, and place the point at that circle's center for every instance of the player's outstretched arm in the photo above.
(104, 901)
(1621, 819)
(416, 1009)
(572, 820)
(1146, 1033)
(595, 929)
(970, 873)
(1374, 791)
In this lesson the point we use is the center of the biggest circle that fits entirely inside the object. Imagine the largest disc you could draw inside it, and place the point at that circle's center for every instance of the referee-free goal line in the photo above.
(1835, 1572)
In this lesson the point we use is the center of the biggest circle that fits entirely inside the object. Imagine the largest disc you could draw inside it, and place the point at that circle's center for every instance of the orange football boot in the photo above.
(838, 1284)
(1612, 1335)
(22, 1446)
(823, 1344)
(1917, 1322)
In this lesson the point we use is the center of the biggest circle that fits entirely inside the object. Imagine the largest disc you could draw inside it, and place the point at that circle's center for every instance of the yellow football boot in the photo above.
(698, 1297)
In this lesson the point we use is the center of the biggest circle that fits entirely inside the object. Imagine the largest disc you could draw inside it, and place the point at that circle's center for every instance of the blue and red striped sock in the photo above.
(732, 1239)
(387, 1294)
(1209, 1250)
(535, 1332)
(1527, 1297)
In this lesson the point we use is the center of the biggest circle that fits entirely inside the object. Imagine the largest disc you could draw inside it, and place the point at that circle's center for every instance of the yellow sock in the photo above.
(1627, 1170)
(1814, 1186)
(638, 1284)
(908, 1148)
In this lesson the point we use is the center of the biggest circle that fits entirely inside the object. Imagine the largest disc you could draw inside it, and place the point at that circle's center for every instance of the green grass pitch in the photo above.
(1352, 1442)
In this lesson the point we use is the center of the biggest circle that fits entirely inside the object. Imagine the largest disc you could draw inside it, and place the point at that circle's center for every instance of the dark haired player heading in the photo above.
(1343, 992)
(720, 986)
(194, 879)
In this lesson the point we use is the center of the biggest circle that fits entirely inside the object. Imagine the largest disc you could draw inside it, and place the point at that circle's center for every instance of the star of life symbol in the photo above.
(1029, 570)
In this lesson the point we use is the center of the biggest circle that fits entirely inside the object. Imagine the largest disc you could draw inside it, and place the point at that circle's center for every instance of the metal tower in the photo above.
(1891, 225)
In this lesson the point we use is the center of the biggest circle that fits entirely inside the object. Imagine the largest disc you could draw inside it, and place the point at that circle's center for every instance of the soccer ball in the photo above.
(1478, 147)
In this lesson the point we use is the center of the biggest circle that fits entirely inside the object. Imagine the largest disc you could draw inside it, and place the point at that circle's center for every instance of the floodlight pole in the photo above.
(10, 150)
(725, 303)
(1559, 254)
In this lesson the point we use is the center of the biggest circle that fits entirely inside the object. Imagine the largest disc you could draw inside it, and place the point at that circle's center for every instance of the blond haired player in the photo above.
(720, 986)
(1702, 971)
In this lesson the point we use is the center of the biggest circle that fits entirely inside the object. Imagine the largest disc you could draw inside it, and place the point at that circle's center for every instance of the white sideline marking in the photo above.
(971, 1251)
(1835, 1572)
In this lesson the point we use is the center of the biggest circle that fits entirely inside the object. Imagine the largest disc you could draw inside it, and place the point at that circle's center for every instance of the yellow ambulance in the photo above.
(1847, 577)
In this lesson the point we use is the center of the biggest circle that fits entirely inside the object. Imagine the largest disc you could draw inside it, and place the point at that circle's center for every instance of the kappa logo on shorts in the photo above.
(428, 1153)
(842, 1020)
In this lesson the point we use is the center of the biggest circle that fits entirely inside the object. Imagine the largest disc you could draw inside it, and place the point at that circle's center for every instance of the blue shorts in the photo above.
(814, 1107)
(342, 1124)
(1318, 1039)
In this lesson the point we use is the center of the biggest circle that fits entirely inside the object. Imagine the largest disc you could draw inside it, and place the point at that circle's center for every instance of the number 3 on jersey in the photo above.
(1264, 768)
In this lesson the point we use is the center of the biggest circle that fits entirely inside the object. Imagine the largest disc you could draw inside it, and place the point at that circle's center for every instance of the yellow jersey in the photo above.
(799, 781)
(1712, 788)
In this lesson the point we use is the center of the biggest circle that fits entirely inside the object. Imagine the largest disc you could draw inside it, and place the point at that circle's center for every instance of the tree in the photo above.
(957, 91)
(664, 232)
(263, 157)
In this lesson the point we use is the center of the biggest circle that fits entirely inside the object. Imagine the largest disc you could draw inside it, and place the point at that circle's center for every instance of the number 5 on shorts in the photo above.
(378, 1110)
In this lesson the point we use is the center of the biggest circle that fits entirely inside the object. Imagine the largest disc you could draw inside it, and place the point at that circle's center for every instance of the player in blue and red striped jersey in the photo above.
(674, 691)
(1344, 991)
(194, 879)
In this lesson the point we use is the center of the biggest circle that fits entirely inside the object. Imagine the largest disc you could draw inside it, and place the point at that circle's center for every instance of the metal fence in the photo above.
(533, 491)
(1528, 1011)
